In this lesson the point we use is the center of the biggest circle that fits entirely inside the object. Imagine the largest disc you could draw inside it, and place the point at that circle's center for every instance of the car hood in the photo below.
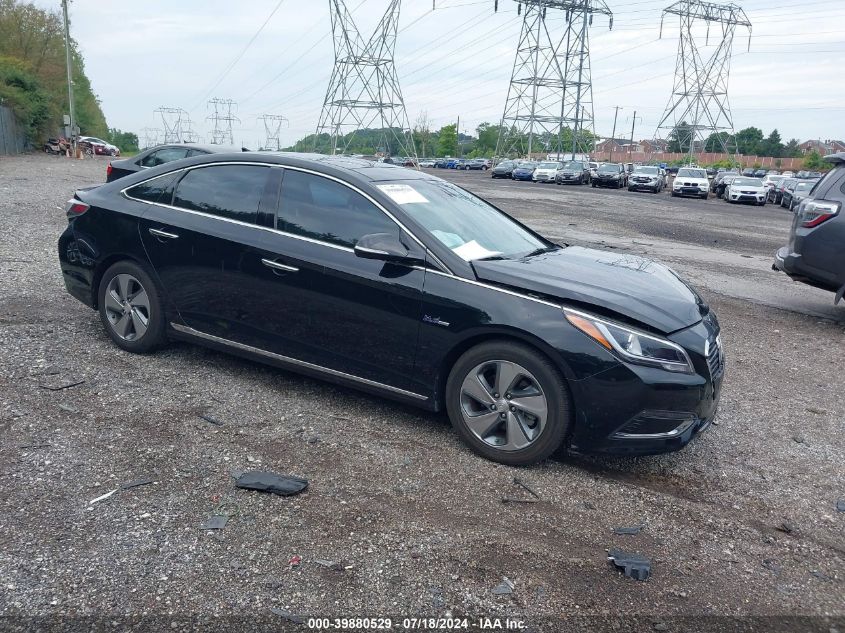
(635, 287)
(524, 170)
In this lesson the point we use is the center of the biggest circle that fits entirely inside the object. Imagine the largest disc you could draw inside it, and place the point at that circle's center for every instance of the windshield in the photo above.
(692, 173)
(460, 221)
(575, 165)
(505, 163)
(527, 165)
(646, 170)
(804, 186)
(609, 169)
(549, 166)
(747, 182)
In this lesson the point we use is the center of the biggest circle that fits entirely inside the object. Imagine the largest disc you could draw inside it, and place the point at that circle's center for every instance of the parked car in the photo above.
(759, 173)
(503, 169)
(802, 190)
(452, 163)
(480, 164)
(814, 175)
(401, 284)
(576, 171)
(524, 170)
(442, 163)
(717, 180)
(610, 175)
(646, 177)
(781, 188)
(159, 155)
(723, 184)
(773, 185)
(408, 161)
(546, 171)
(788, 174)
(814, 254)
(691, 181)
(101, 147)
(461, 163)
(746, 190)
(428, 162)
(799, 191)
(748, 172)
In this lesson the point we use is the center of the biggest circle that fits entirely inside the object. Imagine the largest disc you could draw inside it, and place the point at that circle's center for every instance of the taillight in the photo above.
(108, 170)
(814, 212)
(75, 208)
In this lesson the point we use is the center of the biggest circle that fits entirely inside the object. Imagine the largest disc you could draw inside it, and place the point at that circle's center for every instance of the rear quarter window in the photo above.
(158, 190)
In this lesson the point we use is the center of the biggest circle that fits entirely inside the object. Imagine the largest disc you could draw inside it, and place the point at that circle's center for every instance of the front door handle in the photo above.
(281, 267)
(164, 234)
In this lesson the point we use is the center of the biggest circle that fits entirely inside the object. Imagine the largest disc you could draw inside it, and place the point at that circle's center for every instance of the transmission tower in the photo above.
(698, 106)
(151, 136)
(363, 91)
(272, 128)
(172, 120)
(221, 120)
(188, 133)
(551, 92)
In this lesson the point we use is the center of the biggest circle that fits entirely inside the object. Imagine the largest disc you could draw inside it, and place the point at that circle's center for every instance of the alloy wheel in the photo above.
(127, 307)
(503, 405)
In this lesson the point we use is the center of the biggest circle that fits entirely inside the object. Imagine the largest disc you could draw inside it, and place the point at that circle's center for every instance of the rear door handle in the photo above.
(281, 267)
(165, 234)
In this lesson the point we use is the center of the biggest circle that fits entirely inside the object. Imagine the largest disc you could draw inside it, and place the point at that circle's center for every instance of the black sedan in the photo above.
(503, 169)
(159, 155)
(404, 285)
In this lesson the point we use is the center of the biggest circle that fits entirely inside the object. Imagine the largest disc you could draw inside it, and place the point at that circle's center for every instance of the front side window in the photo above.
(322, 209)
(227, 191)
(467, 225)
(165, 155)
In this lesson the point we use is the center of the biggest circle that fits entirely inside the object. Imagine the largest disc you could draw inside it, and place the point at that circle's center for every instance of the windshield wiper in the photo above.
(490, 258)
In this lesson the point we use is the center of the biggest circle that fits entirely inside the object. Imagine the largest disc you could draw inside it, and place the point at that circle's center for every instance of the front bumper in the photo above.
(522, 176)
(569, 178)
(689, 191)
(543, 178)
(638, 410)
(748, 197)
(607, 182)
(633, 184)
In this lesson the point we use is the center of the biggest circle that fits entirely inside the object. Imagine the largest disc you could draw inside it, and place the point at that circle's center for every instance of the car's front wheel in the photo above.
(130, 308)
(509, 403)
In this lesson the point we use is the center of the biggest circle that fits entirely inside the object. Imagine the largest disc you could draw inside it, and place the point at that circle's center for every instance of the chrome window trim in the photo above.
(184, 329)
(275, 230)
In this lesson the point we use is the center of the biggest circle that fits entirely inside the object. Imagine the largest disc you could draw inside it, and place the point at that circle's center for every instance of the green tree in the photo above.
(679, 138)
(749, 141)
(791, 149)
(126, 141)
(22, 92)
(35, 37)
(813, 160)
(718, 143)
(448, 143)
(773, 145)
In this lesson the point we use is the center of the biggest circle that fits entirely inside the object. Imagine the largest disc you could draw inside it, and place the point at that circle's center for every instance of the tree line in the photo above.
(33, 77)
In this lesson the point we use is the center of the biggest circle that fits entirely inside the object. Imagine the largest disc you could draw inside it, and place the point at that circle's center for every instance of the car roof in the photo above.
(837, 158)
(211, 149)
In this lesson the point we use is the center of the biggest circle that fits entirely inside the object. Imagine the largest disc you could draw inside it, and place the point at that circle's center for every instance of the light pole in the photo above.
(69, 81)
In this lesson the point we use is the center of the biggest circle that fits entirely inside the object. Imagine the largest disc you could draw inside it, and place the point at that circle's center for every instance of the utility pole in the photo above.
(458, 136)
(69, 81)
(631, 146)
(613, 135)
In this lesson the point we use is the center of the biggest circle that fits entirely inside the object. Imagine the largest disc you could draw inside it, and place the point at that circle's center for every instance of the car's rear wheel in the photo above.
(509, 403)
(131, 309)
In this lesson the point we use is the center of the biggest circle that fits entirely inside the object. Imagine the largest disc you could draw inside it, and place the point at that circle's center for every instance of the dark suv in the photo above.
(610, 175)
(815, 253)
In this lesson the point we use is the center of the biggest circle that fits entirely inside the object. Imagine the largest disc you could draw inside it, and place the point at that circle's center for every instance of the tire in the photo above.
(630, 189)
(593, 185)
(534, 374)
(705, 196)
(484, 168)
(122, 281)
(674, 195)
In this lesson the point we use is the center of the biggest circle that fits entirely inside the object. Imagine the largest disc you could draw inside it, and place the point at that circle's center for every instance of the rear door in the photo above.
(204, 246)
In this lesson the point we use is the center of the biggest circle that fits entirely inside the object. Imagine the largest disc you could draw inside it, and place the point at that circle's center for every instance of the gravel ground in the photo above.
(741, 523)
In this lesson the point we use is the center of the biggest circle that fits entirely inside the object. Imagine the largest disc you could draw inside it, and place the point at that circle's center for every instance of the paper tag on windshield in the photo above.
(473, 250)
(403, 194)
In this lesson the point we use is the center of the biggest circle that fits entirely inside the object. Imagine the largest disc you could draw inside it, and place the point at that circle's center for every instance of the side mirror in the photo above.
(383, 246)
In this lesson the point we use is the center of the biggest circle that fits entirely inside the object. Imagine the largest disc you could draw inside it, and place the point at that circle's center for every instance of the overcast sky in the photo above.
(453, 61)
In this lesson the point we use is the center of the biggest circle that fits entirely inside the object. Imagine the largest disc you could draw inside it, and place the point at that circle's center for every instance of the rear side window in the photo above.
(227, 191)
(165, 155)
(325, 210)
(158, 190)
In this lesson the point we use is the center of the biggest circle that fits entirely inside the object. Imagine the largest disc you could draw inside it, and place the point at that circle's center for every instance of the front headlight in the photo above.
(630, 344)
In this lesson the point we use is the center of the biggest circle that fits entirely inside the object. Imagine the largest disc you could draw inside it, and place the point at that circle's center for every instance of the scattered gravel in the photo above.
(399, 518)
